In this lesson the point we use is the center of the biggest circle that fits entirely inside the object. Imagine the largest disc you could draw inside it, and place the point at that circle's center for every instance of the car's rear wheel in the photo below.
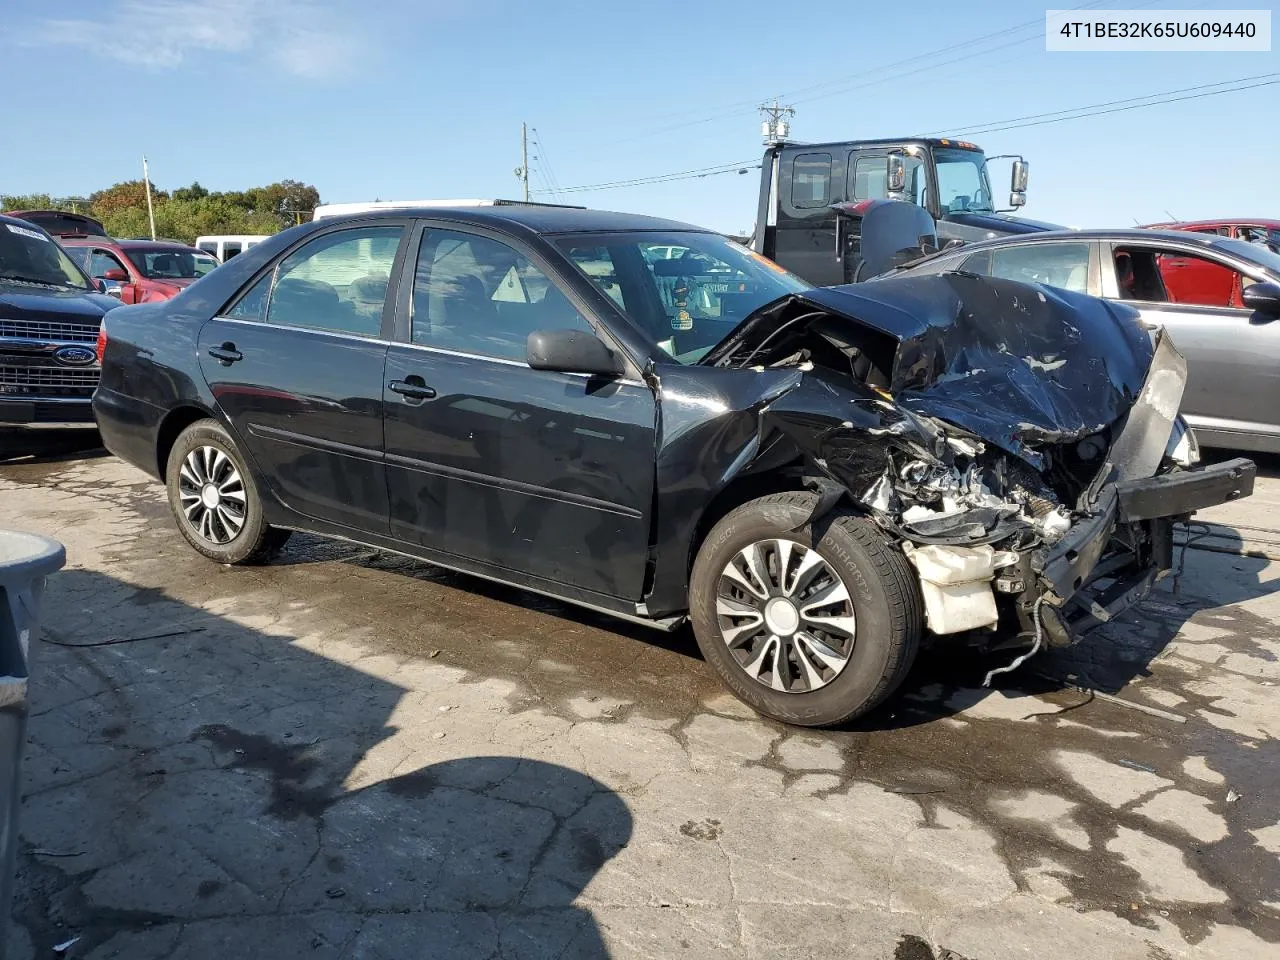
(214, 499)
(809, 624)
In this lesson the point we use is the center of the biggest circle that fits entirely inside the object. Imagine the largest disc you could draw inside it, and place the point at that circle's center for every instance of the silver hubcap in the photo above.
(212, 494)
(786, 616)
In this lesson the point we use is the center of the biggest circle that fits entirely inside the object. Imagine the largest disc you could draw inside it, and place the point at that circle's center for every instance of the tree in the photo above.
(120, 196)
(190, 211)
(193, 192)
(28, 201)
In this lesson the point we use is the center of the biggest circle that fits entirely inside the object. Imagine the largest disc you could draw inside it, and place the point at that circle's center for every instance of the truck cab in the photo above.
(809, 191)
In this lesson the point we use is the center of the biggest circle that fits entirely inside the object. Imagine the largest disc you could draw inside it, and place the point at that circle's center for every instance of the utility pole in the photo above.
(146, 182)
(522, 171)
(775, 127)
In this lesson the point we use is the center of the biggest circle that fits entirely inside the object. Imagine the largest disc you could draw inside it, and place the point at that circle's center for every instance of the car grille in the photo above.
(49, 330)
(47, 382)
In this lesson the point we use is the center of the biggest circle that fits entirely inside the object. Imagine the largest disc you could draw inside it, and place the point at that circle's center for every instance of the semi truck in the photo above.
(812, 196)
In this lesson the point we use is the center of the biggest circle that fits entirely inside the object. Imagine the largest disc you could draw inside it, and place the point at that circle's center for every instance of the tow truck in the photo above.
(812, 196)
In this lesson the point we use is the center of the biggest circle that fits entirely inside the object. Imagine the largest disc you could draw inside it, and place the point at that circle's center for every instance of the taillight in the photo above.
(102, 340)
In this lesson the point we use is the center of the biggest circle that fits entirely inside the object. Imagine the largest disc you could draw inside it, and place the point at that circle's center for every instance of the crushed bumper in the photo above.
(1111, 559)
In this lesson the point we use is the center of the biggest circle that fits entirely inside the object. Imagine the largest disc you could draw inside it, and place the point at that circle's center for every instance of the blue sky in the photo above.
(398, 99)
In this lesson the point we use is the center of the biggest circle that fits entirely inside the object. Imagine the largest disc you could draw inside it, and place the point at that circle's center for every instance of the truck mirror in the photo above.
(1018, 181)
(1017, 199)
(896, 175)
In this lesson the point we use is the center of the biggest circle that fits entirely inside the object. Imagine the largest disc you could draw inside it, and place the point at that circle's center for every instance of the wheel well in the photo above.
(738, 491)
(171, 428)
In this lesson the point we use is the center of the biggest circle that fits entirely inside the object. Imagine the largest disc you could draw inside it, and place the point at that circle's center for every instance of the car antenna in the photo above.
(1170, 215)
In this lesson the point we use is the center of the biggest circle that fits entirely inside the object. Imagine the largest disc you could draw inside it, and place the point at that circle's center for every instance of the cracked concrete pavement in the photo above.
(350, 754)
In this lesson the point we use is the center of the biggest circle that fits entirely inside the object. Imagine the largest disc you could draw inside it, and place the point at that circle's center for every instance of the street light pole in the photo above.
(146, 182)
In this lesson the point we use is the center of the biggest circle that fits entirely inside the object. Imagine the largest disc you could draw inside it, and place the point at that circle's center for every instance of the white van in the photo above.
(226, 246)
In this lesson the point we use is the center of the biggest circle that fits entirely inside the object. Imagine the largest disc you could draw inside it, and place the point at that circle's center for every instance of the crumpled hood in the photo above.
(1022, 366)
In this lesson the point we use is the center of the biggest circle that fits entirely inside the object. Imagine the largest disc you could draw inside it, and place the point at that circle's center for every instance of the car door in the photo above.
(102, 262)
(545, 474)
(296, 365)
(805, 241)
(1233, 359)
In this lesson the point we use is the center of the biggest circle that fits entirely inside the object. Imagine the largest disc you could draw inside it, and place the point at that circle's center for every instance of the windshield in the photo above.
(28, 254)
(1253, 253)
(962, 181)
(687, 291)
(171, 264)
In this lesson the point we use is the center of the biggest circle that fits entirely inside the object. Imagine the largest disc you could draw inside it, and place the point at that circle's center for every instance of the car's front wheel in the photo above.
(214, 499)
(809, 624)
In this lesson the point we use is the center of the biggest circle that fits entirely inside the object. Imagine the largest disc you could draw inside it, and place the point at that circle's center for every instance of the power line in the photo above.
(552, 182)
(1099, 109)
(740, 167)
(743, 107)
(1057, 116)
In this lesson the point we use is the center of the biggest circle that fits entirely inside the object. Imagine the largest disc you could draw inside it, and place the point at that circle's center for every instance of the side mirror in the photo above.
(571, 351)
(1018, 179)
(119, 276)
(1263, 298)
(896, 173)
(1017, 199)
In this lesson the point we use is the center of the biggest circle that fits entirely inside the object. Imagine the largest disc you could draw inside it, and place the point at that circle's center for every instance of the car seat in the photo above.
(367, 295)
(1078, 278)
(458, 310)
(1124, 276)
(304, 303)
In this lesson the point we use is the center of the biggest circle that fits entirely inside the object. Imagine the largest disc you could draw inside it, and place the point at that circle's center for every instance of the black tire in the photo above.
(882, 587)
(254, 541)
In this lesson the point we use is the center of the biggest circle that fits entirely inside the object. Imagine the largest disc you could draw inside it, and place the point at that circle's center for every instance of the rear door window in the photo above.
(336, 282)
(1064, 265)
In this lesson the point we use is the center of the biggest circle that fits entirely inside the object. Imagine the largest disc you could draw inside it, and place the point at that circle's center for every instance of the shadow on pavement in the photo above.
(189, 795)
(48, 446)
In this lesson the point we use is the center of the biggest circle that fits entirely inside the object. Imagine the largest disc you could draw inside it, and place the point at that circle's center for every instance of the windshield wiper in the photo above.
(38, 281)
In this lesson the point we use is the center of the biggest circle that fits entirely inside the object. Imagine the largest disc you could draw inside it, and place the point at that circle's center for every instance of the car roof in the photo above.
(1228, 222)
(154, 245)
(535, 217)
(887, 141)
(1135, 234)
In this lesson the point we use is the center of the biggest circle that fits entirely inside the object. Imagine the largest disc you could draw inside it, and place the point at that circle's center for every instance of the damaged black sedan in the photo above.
(644, 418)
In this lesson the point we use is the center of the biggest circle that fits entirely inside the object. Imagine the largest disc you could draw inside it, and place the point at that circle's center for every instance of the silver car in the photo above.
(1219, 298)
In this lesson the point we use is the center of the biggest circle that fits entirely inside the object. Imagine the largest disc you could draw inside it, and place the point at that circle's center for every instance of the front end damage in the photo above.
(1022, 444)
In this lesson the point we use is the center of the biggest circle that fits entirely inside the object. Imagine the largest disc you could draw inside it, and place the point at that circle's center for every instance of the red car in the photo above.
(1201, 282)
(145, 270)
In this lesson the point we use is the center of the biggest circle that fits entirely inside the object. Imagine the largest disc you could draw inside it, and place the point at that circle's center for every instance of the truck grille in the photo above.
(49, 330)
(47, 382)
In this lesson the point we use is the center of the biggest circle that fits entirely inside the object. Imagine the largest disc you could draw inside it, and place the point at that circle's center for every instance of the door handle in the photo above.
(412, 388)
(227, 354)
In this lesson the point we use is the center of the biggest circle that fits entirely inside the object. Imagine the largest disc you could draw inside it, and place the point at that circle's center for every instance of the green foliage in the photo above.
(188, 212)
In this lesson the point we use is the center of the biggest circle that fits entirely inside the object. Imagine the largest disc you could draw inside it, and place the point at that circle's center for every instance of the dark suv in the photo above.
(50, 313)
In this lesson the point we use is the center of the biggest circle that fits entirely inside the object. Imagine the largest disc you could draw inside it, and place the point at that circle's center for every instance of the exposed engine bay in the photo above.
(1022, 444)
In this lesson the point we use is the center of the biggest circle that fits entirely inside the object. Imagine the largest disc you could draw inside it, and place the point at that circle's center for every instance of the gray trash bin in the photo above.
(25, 560)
